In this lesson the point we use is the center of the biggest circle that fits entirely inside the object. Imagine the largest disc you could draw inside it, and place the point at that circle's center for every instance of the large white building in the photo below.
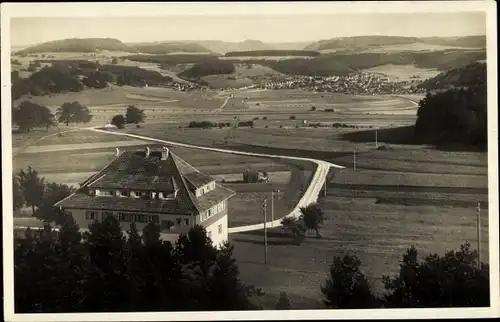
(152, 186)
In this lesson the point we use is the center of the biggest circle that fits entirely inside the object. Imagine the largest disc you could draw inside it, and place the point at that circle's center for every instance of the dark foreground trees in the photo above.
(103, 271)
(452, 280)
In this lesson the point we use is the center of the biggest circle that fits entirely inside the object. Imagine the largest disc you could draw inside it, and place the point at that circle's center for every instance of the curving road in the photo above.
(309, 196)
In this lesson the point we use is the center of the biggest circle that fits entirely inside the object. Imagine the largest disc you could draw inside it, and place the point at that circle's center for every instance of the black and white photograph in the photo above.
(208, 161)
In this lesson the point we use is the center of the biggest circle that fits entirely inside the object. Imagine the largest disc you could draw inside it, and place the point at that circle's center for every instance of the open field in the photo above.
(377, 214)
(403, 72)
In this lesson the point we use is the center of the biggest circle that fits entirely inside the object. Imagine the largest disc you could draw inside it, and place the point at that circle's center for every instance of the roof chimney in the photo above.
(164, 153)
(148, 151)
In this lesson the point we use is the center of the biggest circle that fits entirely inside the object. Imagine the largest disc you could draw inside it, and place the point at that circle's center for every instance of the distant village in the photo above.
(360, 83)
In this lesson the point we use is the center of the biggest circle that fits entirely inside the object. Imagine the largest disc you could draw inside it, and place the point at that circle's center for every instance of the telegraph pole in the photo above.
(478, 211)
(354, 159)
(272, 208)
(265, 230)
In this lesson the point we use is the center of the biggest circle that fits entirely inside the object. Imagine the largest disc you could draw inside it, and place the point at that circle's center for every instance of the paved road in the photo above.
(309, 196)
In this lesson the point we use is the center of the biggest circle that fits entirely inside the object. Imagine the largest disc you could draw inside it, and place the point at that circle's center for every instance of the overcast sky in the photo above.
(293, 28)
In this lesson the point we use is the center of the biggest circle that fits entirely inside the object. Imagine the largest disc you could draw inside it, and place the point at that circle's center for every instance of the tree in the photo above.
(118, 121)
(283, 302)
(73, 113)
(29, 115)
(32, 187)
(114, 60)
(313, 108)
(134, 115)
(17, 193)
(452, 280)
(106, 283)
(295, 227)
(225, 290)
(53, 193)
(347, 287)
(313, 217)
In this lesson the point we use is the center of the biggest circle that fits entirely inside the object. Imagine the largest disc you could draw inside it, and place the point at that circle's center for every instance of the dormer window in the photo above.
(92, 192)
(124, 193)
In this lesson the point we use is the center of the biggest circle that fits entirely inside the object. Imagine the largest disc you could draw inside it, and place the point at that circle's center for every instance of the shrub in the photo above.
(292, 117)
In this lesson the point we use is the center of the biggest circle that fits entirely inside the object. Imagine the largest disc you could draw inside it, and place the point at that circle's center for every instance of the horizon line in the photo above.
(240, 41)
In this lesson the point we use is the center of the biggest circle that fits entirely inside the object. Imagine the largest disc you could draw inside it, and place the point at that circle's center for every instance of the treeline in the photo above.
(174, 59)
(212, 67)
(28, 115)
(466, 76)
(455, 108)
(103, 271)
(208, 124)
(454, 116)
(75, 75)
(165, 48)
(289, 52)
(344, 64)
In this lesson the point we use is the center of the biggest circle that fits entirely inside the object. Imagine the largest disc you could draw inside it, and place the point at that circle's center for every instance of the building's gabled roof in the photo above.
(132, 170)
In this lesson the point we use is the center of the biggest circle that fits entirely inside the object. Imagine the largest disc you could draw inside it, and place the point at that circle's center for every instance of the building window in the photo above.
(186, 222)
(105, 214)
(122, 216)
(166, 224)
(105, 193)
(140, 218)
(179, 221)
(220, 229)
(153, 219)
(90, 215)
(209, 212)
(124, 193)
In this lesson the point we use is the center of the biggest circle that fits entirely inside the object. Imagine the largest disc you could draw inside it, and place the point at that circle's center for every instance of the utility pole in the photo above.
(478, 211)
(325, 184)
(354, 159)
(376, 138)
(264, 205)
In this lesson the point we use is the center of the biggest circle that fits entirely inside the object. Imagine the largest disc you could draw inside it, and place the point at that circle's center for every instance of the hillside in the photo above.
(223, 47)
(364, 42)
(169, 47)
(466, 76)
(343, 64)
(468, 41)
(85, 45)
(360, 42)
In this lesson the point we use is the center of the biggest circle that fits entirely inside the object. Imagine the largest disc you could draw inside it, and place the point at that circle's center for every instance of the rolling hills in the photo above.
(365, 42)
(85, 45)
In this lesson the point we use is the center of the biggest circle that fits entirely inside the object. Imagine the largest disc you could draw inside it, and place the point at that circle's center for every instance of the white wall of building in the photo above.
(218, 237)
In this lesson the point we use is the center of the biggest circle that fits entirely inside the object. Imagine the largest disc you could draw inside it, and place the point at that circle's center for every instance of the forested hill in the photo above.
(380, 41)
(466, 76)
(85, 45)
(457, 112)
(360, 41)
(169, 47)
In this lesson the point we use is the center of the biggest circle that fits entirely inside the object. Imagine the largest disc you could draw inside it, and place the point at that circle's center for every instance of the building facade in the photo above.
(152, 186)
